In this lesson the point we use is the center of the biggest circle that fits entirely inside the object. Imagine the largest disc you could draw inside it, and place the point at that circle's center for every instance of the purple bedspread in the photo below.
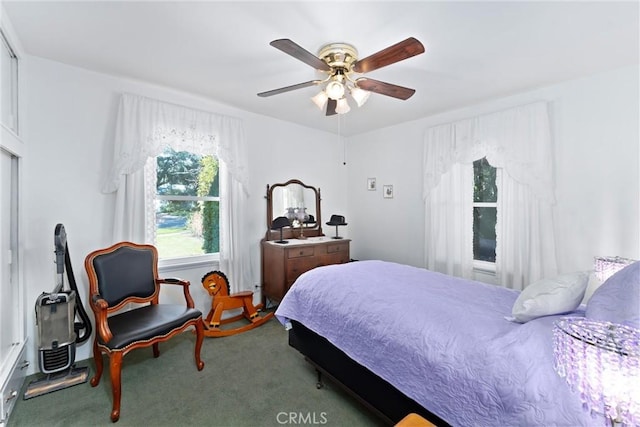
(441, 340)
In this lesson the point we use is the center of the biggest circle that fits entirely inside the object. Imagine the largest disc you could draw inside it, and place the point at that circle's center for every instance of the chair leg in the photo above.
(115, 366)
(199, 339)
(97, 359)
(156, 350)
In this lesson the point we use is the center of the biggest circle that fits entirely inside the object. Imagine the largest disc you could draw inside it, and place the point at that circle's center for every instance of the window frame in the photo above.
(176, 263)
(481, 266)
(14, 85)
(11, 142)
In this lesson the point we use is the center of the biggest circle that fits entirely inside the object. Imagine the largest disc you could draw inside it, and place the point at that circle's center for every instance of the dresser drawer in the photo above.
(283, 264)
(337, 247)
(301, 252)
(297, 266)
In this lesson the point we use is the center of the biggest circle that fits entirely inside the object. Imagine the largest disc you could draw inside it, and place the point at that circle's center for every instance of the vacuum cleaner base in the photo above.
(54, 382)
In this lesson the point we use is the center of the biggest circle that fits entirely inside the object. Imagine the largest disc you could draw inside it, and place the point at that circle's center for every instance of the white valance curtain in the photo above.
(518, 142)
(144, 128)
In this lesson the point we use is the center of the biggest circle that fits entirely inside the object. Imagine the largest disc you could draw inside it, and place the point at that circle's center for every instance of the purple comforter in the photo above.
(441, 340)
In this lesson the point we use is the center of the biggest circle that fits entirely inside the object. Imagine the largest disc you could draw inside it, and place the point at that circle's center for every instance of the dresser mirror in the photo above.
(293, 199)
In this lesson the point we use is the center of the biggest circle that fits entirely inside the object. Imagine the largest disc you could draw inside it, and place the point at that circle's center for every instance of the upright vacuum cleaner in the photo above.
(58, 329)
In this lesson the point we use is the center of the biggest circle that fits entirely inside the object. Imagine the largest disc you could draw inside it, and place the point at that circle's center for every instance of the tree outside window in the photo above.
(187, 204)
(485, 198)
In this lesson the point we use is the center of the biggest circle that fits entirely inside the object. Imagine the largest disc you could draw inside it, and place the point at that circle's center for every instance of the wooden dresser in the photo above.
(283, 263)
(294, 214)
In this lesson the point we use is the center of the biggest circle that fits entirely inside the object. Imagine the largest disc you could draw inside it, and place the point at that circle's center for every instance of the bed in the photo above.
(404, 339)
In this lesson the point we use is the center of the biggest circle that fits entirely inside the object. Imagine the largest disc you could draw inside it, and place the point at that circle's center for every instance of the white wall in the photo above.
(71, 114)
(388, 229)
(595, 123)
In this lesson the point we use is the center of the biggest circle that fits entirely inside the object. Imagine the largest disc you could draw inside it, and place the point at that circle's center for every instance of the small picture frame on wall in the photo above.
(371, 184)
(387, 191)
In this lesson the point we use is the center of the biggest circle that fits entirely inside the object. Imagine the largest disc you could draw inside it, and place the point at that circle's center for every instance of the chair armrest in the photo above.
(100, 307)
(185, 288)
(174, 281)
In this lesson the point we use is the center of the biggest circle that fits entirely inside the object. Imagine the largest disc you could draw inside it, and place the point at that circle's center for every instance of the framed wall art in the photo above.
(371, 184)
(387, 191)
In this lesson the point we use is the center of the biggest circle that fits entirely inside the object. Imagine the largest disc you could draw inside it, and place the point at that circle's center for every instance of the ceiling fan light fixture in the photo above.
(342, 106)
(360, 95)
(320, 99)
(339, 61)
(334, 90)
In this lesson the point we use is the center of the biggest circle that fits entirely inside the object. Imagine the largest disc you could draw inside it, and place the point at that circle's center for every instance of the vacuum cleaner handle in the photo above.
(60, 243)
(85, 323)
(63, 260)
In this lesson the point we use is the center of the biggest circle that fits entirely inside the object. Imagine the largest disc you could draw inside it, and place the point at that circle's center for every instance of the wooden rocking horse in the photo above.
(217, 285)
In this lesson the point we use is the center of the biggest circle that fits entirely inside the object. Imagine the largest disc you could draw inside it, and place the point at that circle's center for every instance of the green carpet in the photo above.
(251, 379)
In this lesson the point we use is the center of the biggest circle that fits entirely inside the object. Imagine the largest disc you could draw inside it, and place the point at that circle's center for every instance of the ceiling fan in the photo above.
(340, 61)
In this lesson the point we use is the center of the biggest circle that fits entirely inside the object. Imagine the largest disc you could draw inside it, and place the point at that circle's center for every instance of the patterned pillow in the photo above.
(618, 299)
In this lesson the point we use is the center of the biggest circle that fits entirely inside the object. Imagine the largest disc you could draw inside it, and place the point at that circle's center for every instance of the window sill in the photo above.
(484, 267)
(187, 263)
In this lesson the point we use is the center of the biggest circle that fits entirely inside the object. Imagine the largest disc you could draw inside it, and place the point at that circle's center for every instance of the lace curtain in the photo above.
(144, 128)
(449, 223)
(518, 142)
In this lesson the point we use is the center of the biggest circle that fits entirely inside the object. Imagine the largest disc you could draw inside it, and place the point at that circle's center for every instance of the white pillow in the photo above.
(592, 285)
(550, 296)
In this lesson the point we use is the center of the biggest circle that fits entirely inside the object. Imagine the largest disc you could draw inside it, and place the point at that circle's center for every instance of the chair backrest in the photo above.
(123, 271)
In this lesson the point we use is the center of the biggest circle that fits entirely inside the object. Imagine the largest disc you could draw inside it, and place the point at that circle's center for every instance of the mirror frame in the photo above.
(288, 232)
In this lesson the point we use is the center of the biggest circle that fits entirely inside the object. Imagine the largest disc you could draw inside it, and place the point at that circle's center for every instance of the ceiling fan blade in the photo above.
(293, 49)
(288, 88)
(399, 51)
(383, 88)
(331, 107)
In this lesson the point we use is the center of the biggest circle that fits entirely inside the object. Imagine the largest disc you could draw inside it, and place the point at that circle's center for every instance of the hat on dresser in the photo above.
(280, 222)
(336, 220)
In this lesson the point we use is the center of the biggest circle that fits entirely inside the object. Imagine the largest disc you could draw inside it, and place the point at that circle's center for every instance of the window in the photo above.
(485, 198)
(10, 329)
(13, 336)
(186, 204)
(9, 84)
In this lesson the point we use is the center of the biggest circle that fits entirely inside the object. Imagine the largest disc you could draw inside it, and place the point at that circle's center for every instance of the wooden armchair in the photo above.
(128, 273)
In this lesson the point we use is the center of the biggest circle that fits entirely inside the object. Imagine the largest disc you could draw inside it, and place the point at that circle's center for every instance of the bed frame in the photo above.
(374, 392)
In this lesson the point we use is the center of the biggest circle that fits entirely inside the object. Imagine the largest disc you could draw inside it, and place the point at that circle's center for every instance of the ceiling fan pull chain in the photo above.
(344, 144)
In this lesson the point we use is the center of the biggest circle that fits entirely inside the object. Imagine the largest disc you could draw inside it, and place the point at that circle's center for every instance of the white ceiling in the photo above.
(475, 51)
